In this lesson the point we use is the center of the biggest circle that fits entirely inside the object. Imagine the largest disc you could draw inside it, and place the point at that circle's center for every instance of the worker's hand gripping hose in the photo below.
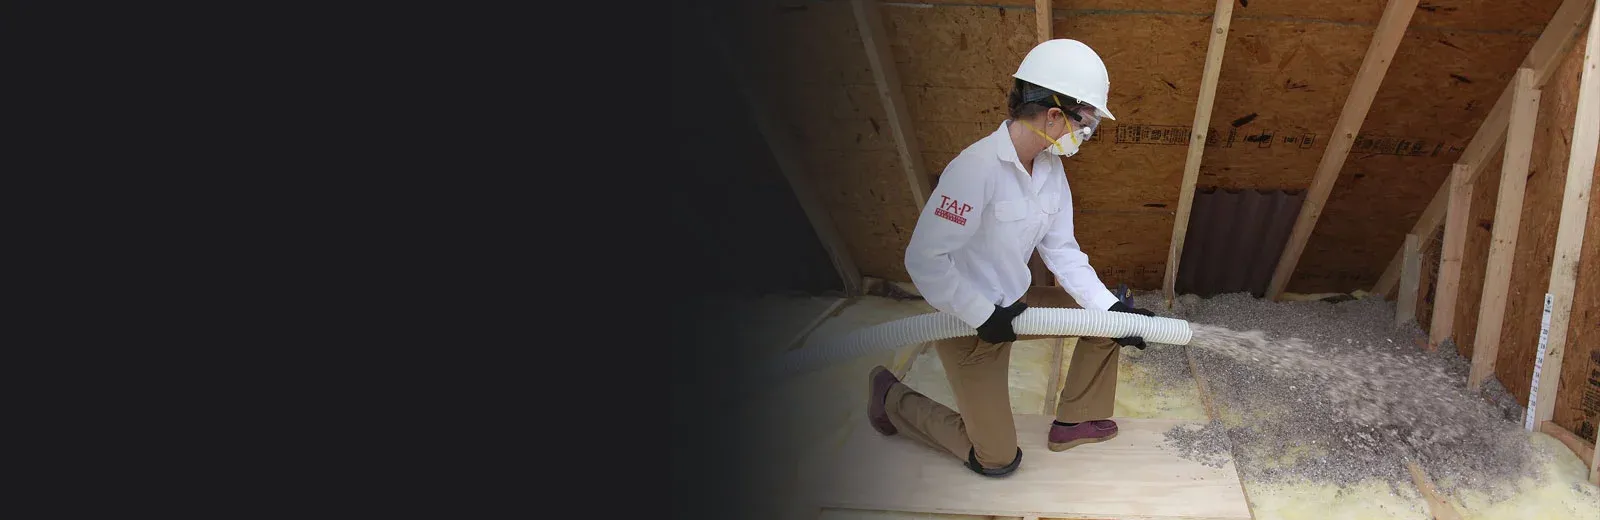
(938, 325)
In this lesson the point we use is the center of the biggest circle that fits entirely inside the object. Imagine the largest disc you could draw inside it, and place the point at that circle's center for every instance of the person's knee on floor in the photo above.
(976, 467)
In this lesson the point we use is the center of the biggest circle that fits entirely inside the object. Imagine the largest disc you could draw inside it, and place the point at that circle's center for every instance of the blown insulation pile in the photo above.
(1322, 404)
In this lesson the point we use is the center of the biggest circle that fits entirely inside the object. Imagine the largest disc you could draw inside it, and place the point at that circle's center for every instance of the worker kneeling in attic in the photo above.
(1003, 197)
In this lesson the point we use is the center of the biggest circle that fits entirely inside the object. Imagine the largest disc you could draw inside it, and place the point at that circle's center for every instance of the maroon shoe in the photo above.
(1066, 437)
(879, 381)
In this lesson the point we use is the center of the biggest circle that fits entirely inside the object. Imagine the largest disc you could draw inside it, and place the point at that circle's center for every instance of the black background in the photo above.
(432, 252)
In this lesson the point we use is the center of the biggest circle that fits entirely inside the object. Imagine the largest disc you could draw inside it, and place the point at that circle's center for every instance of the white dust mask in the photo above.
(1067, 146)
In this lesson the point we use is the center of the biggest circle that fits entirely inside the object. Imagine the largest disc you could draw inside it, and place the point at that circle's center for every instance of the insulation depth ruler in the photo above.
(1538, 360)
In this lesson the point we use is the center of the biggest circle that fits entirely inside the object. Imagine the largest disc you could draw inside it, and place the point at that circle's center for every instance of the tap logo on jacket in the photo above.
(953, 210)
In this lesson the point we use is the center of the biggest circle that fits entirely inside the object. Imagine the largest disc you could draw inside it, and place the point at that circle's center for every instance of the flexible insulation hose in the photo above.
(936, 326)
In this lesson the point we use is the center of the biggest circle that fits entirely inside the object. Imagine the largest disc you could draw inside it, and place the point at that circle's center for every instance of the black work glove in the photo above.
(1130, 341)
(997, 329)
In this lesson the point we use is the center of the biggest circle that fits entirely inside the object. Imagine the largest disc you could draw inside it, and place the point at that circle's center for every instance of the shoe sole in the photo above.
(1064, 446)
(872, 377)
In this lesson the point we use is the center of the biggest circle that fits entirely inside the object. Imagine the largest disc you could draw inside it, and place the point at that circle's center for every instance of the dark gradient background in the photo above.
(744, 235)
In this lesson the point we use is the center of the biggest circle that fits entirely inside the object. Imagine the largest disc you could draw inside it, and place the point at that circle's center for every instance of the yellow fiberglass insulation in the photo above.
(1371, 499)
(1560, 493)
(1141, 395)
(825, 405)
(1138, 393)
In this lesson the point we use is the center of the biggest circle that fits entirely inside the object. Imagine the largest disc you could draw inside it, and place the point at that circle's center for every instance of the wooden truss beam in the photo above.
(785, 155)
(1569, 234)
(1542, 58)
(870, 22)
(1042, 17)
(1426, 223)
(1438, 508)
(1450, 256)
(1391, 27)
(1507, 219)
(1197, 142)
(1579, 446)
(1405, 309)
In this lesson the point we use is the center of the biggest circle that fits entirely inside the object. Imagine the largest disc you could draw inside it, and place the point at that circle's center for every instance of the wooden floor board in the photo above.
(1133, 476)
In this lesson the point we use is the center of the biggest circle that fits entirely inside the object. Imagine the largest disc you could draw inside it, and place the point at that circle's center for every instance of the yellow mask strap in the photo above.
(1070, 133)
(1051, 139)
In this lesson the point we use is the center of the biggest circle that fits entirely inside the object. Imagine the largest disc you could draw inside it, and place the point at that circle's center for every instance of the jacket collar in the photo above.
(1004, 148)
(1006, 151)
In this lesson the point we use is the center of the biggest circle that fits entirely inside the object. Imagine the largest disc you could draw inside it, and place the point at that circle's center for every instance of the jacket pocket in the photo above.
(1010, 210)
(1050, 203)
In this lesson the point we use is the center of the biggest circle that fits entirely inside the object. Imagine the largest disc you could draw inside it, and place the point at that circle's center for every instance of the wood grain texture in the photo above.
(1491, 309)
(1406, 303)
(810, 66)
(1200, 385)
(1504, 16)
(1552, 145)
(1156, 65)
(1578, 397)
(1580, 447)
(1380, 52)
(1204, 391)
(1426, 223)
(1130, 476)
(1120, 245)
(788, 156)
(1197, 142)
(1438, 508)
(1556, 37)
(1450, 255)
(886, 75)
(1428, 282)
(1561, 29)
(1510, 15)
(1041, 13)
(1573, 220)
(1288, 69)
(1469, 285)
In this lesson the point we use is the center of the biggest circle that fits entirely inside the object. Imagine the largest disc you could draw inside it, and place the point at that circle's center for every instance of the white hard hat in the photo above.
(1068, 67)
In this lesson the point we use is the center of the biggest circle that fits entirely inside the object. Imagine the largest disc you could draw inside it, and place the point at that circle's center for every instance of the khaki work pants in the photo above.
(978, 373)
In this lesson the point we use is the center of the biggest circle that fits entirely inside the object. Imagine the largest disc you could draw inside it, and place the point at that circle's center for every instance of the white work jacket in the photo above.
(970, 249)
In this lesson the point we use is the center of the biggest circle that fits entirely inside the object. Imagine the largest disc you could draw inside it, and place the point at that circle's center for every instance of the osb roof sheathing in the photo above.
(1286, 72)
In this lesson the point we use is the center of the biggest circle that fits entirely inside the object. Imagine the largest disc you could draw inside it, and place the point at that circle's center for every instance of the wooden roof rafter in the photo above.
(1197, 143)
(1546, 53)
(1374, 66)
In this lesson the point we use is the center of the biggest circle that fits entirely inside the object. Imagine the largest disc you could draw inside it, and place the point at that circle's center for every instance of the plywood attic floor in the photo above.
(825, 406)
(1130, 476)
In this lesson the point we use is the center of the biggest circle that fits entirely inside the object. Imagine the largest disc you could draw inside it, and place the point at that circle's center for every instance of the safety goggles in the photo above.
(1081, 113)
